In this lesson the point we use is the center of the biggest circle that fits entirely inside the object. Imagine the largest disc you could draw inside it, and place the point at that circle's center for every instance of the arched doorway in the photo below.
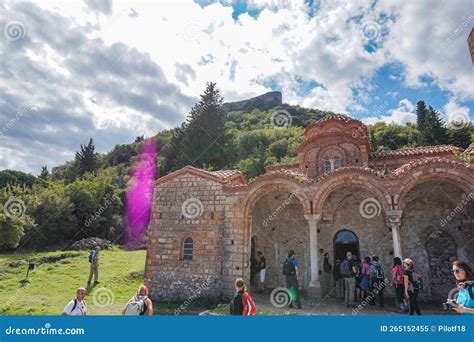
(442, 251)
(345, 241)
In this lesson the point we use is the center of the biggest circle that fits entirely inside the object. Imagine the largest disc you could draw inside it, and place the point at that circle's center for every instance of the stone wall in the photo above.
(432, 241)
(168, 275)
(278, 225)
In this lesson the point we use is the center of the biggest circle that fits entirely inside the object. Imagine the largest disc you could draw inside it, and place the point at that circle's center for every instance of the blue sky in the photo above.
(115, 70)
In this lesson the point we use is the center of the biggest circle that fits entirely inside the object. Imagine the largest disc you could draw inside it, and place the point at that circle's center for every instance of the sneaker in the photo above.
(299, 307)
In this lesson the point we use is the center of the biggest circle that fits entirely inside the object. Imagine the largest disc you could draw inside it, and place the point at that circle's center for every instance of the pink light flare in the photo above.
(140, 193)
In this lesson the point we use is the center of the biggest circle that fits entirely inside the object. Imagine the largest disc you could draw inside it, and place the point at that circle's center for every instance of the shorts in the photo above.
(262, 275)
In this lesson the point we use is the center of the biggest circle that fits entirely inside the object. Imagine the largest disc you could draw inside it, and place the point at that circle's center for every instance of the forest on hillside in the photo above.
(54, 209)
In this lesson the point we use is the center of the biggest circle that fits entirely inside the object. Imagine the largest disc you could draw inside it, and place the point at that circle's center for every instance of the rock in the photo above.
(90, 243)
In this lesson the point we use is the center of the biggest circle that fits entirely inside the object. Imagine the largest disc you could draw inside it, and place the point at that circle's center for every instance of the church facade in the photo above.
(206, 226)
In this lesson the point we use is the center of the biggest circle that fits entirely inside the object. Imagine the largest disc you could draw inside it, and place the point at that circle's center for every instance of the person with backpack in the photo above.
(77, 306)
(94, 266)
(262, 270)
(139, 304)
(336, 273)
(327, 275)
(242, 304)
(377, 280)
(465, 281)
(290, 270)
(412, 286)
(348, 272)
(365, 277)
(398, 284)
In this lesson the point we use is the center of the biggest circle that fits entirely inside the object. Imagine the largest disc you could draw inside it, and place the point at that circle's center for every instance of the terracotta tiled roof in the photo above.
(225, 174)
(423, 161)
(340, 117)
(276, 167)
(221, 176)
(417, 151)
(469, 150)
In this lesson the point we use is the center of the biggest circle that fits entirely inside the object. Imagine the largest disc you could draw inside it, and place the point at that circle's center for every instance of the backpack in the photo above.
(249, 305)
(75, 305)
(345, 269)
(379, 272)
(416, 282)
(136, 306)
(91, 255)
(289, 268)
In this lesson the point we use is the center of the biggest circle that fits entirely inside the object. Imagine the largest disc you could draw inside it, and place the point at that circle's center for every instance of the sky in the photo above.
(115, 70)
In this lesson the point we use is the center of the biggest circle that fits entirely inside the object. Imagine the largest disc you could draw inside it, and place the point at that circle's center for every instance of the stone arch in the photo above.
(419, 172)
(356, 178)
(258, 188)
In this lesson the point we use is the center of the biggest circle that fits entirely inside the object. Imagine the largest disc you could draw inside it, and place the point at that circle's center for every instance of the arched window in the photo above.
(188, 249)
(327, 165)
(337, 164)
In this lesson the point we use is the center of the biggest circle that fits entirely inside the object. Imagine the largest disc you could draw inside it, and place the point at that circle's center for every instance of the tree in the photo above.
(431, 126)
(421, 112)
(205, 140)
(14, 177)
(86, 158)
(459, 134)
(44, 173)
(14, 219)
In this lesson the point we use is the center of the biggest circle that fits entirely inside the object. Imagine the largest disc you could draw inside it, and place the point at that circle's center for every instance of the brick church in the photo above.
(419, 203)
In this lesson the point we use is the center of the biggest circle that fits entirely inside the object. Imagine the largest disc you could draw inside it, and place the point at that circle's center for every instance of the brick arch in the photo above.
(456, 173)
(270, 183)
(258, 188)
(356, 178)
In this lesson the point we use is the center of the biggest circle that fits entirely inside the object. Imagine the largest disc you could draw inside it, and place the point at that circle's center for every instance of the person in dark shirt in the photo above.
(336, 273)
(262, 270)
(327, 268)
(242, 304)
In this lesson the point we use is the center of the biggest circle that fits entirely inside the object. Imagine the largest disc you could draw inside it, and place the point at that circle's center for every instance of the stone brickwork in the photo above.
(416, 203)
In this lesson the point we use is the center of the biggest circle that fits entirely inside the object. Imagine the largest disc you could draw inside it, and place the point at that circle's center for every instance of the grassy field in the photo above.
(57, 276)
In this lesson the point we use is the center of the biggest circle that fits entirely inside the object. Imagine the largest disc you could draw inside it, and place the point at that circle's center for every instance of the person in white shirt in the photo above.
(77, 306)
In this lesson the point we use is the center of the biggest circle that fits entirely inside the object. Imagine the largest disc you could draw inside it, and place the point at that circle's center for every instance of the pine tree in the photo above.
(44, 172)
(431, 126)
(204, 140)
(421, 112)
(86, 158)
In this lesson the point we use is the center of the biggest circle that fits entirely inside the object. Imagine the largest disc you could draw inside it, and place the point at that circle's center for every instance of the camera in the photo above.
(450, 304)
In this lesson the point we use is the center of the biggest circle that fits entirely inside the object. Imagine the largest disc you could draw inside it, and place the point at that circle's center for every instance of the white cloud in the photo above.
(453, 112)
(405, 112)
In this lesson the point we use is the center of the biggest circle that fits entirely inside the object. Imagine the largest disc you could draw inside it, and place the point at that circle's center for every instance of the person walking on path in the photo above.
(348, 271)
(398, 284)
(77, 306)
(242, 304)
(291, 271)
(327, 268)
(336, 273)
(262, 270)
(94, 267)
(139, 304)
(412, 286)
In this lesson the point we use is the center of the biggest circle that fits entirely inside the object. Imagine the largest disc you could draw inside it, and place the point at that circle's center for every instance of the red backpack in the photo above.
(249, 306)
